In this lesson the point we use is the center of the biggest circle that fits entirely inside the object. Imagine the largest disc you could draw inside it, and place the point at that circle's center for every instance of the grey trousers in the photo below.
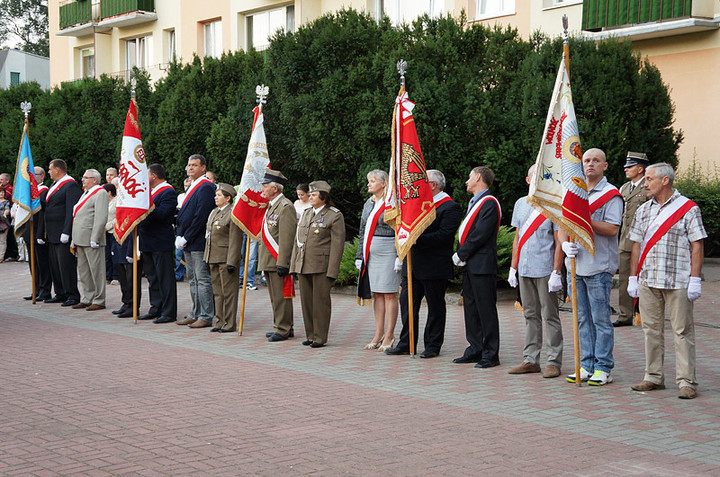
(540, 305)
(91, 273)
(201, 290)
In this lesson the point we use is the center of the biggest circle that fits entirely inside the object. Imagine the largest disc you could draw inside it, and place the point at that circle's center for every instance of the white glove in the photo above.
(94, 245)
(632, 287)
(180, 243)
(358, 264)
(694, 288)
(129, 259)
(40, 242)
(570, 249)
(554, 283)
(456, 260)
(64, 238)
(512, 277)
(398, 265)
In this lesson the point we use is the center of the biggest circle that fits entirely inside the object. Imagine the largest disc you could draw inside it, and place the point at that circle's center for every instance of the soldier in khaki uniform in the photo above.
(222, 254)
(279, 226)
(633, 193)
(316, 259)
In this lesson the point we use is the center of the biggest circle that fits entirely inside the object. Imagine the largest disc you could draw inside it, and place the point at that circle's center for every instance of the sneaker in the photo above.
(251, 286)
(584, 376)
(600, 378)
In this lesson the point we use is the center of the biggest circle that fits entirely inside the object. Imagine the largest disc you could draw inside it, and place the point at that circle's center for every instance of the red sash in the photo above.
(82, 201)
(159, 189)
(57, 186)
(533, 222)
(370, 225)
(268, 239)
(41, 187)
(470, 218)
(604, 197)
(193, 188)
(442, 198)
(661, 229)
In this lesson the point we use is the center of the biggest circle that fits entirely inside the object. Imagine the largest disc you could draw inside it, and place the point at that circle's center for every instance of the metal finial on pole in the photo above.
(402, 68)
(261, 91)
(133, 84)
(26, 106)
(565, 28)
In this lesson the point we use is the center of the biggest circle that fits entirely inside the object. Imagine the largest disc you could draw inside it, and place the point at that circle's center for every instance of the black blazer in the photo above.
(59, 211)
(433, 250)
(479, 250)
(156, 233)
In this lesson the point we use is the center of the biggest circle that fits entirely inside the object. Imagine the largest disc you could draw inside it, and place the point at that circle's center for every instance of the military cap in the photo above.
(227, 188)
(319, 186)
(273, 176)
(636, 159)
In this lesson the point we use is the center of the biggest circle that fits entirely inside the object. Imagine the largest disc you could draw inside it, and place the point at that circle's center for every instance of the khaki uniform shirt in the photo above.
(281, 219)
(223, 238)
(633, 200)
(319, 243)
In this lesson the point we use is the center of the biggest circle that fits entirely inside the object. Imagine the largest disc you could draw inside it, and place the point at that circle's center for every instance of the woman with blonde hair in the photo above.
(377, 261)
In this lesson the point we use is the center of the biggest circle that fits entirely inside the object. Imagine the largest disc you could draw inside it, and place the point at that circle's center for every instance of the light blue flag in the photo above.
(25, 191)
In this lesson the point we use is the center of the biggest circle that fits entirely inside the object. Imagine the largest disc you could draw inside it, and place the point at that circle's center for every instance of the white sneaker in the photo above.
(251, 287)
(584, 376)
(600, 378)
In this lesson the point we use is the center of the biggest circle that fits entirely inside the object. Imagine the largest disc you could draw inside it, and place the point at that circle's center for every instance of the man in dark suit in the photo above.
(477, 252)
(156, 235)
(43, 281)
(432, 267)
(59, 202)
(192, 218)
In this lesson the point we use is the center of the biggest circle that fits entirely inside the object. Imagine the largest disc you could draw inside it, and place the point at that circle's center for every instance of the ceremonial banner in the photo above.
(250, 206)
(26, 195)
(558, 188)
(133, 194)
(409, 205)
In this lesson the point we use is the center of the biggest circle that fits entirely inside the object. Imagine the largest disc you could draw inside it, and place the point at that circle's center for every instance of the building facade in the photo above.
(18, 66)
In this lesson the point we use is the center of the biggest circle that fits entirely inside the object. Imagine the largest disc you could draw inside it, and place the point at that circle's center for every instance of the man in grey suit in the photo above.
(88, 238)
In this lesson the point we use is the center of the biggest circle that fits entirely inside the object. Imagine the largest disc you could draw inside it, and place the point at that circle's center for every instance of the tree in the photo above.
(26, 22)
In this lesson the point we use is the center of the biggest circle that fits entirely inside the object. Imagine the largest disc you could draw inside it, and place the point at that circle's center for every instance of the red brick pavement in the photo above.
(89, 394)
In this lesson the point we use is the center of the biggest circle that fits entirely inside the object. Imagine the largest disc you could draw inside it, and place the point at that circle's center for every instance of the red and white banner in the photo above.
(409, 204)
(558, 188)
(133, 194)
(250, 205)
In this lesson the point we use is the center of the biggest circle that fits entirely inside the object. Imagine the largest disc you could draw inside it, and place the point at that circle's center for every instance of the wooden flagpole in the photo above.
(134, 278)
(244, 285)
(573, 275)
(32, 258)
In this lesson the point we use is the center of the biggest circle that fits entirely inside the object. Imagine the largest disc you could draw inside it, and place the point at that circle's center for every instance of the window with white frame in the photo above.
(405, 11)
(87, 63)
(261, 26)
(494, 8)
(212, 39)
(171, 49)
(138, 52)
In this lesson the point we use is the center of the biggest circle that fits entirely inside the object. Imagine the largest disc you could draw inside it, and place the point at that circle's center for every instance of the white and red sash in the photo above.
(370, 225)
(603, 197)
(83, 200)
(664, 221)
(193, 187)
(440, 198)
(41, 187)
(159, 188)
(533, 222)
(470, 217)
(58, 185)
(268, 239)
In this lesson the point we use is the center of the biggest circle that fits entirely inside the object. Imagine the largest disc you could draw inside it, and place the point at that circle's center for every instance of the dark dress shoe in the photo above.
(396, 351)
(148, 316)
(487, 364)
(69, 302)
(276, 337)
(428, 353)
(317, 345)
(125, 314)
(222, 330)
(55, 300)
(43, 298)
(465, 359)
(29, 297)
(307, 343)
(215, 330)
(618, 324)
(291, 334)
(118, 311)
(269, 334)
(163, 319)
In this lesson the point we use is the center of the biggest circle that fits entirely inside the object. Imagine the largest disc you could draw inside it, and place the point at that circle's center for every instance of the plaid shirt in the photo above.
(667, 264)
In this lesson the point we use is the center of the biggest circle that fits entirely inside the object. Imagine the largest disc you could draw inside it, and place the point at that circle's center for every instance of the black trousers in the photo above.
(434, 293)
(482, 329)
(63, 270)
(110, 272)
(43, 280)
(125, 277)
(159, 270)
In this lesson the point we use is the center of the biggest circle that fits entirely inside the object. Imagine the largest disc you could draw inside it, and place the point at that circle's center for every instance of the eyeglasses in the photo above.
(87, 178)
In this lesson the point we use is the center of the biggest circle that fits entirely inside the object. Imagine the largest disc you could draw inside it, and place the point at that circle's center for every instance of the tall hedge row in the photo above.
(481, 98)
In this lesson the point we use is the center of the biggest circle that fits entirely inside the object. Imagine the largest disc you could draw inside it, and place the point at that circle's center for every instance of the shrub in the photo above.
(702, 188)
(348, 273)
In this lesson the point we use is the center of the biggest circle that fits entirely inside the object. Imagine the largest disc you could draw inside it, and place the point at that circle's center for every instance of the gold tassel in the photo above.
(518, 306)
(567, 299)
(637, 321)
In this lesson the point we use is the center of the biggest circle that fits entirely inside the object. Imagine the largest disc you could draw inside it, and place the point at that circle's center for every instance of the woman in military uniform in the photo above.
(222, 254)
(316, 259)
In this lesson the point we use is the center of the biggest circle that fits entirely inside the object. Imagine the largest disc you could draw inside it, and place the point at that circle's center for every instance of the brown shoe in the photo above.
(186, 321)
(524, 368)
(647, 386)
(200, 324)
(551, 371)
(687, 392)
(95, 307)
(79, 306)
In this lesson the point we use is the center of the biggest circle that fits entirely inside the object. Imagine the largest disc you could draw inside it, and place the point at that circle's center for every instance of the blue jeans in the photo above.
(252, 262)
(179, 267)
(597, 337)
(201, 291)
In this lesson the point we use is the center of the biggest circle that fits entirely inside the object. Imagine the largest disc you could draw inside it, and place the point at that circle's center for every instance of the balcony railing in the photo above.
(599, 14)
(75, 13)
(112, 8)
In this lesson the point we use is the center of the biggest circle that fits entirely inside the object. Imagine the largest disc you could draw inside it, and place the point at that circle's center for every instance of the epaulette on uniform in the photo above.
(334, 209)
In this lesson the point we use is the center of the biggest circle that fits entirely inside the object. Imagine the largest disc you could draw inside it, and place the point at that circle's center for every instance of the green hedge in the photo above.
(704, 189)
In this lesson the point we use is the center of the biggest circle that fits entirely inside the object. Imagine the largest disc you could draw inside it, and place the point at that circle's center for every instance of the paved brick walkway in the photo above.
(90, 394)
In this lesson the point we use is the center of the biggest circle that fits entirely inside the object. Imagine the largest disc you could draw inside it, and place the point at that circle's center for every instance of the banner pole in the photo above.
(244, 286)
(576, 331)
(134, 276)
(411, 311)
(32, 258)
